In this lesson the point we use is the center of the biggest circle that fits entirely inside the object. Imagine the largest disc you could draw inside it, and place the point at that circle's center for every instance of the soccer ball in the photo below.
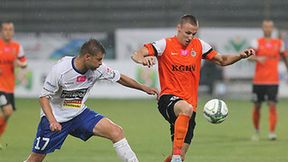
(215, 111)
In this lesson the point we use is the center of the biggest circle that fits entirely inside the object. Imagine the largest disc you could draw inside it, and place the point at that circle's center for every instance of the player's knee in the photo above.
(272, 104)
(185, 108)
(34, 160)
(256, 109)
(117, 134)
(35, 157)
(8, 114)
(257, 106)
(7, 111)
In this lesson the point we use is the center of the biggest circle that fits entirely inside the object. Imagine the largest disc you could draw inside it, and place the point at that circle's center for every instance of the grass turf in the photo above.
(148, 134)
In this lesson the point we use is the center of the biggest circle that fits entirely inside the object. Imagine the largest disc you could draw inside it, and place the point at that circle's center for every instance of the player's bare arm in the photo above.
(225, 60)
(141, 57)
(260, 59)
(129, 82)
(45, 105)
(284, 58)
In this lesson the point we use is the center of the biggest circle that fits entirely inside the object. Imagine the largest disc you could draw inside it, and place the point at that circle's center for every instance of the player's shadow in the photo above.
(224, 138)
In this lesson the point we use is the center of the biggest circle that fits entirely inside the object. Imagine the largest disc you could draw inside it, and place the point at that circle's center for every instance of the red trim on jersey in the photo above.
(211, 54)
(22, 59)
(151, 51)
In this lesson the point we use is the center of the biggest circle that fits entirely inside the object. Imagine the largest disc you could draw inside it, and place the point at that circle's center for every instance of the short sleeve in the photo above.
(51, 84)
(156, 48)
(21, 51)
(254, 44)
(21, 54)
(107, 73)
(282, 46)
(207, 50)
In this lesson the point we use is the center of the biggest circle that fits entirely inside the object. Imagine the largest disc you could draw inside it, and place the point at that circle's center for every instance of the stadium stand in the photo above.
(107, 15)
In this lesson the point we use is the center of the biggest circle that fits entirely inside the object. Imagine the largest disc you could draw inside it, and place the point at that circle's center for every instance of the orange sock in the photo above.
(181, 128)
(168, 159)
(256, 118)
(2, 125)
(272, 118)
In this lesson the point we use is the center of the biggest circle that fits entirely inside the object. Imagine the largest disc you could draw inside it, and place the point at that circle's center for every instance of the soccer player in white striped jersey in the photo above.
(64, 113)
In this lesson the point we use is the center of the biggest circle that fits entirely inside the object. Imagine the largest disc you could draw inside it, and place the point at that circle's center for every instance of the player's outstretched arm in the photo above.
(285, 59)
(225, 60)
(259, 59)
(45, 105)
(141, 57)
(129, 82)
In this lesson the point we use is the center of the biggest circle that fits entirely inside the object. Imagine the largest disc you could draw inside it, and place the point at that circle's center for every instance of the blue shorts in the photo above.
(81, 127)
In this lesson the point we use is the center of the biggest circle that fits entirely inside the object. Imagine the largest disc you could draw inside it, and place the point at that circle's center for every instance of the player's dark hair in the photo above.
(188, 19)
(268, 20)
(5, 22)
(92, 47)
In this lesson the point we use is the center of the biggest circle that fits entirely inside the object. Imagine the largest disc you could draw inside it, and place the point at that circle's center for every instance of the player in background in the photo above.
(266, 78)
(64, 112)
(11, 55)
(179, 60)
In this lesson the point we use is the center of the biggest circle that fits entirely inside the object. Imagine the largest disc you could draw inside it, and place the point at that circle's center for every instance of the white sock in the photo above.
(124, 151)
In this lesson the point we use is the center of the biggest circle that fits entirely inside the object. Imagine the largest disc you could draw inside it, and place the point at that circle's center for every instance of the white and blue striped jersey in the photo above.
(68, 89)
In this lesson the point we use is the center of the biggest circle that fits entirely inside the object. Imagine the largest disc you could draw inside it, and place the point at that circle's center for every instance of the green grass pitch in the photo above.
(148, 134)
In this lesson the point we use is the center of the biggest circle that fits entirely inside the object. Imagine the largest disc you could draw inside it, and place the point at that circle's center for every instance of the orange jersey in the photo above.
(9, 52)
(267, 72)
(179, 66)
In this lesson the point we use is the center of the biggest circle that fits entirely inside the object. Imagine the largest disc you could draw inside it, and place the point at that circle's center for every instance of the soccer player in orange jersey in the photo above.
(179, 60)
(266, 79)
(11, 55)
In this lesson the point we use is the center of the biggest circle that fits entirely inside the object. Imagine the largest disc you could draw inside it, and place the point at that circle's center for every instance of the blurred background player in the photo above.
(212, 76)
(11, 55)
(64, 112)
(266, 78)
(179, 62)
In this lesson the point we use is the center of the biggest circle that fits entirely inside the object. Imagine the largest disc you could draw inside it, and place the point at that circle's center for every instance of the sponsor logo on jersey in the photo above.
(184, 52)
(72, 103)
(7, 49)
(76, 94)
(172, 99)
(193, 53)
(183, 67)
(268, 45)
(81, 78)
(68, 83)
